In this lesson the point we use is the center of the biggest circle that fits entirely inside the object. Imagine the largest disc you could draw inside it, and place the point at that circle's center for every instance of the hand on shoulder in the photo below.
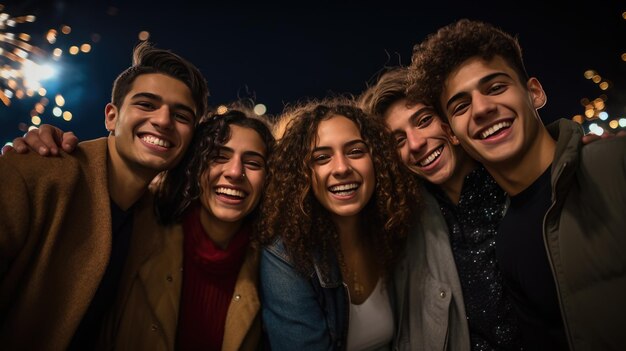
(44, 140)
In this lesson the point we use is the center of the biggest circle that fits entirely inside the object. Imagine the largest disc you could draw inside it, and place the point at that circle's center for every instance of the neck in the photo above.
(453, 186)
(126, 183)
(220, 232)
(516, 175)
(349, 232)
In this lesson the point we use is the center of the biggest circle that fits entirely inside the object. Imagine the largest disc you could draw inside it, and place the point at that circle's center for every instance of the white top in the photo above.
(371, 323)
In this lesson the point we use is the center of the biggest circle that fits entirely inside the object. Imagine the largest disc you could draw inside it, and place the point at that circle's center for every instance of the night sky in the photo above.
(279, 54)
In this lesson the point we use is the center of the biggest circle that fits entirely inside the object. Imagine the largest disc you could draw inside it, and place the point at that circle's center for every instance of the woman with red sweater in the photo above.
(192, 280)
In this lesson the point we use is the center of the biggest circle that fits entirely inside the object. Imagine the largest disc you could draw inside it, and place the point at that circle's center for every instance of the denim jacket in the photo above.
(302, 313)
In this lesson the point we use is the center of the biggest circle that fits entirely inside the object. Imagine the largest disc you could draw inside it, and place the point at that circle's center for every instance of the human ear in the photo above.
(538, 95)
(110, 117)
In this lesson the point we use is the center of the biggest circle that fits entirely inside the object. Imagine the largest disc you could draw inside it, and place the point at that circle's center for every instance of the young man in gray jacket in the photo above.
(449, 288)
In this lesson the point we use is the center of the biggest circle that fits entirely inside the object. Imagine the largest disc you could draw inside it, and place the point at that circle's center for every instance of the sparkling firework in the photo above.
(25, 66)
(21, 71)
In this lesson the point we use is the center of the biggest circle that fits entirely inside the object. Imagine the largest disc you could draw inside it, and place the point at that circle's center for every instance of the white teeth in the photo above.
(155, 141)
(493, 129)
(230, 192)
(431, 157)
(344, 189)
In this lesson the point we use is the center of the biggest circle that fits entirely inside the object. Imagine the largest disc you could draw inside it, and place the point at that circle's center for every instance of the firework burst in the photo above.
(26, 67)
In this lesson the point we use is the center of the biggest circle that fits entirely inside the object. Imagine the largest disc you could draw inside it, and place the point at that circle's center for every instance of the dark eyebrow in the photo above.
(160, 99)
(482, 81)
(246, 153)
(417, 113)
(348, 144)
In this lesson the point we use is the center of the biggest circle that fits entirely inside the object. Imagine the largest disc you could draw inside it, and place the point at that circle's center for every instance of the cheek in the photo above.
(187, 136)
(370, 176)
(454, 127)
(404, 154)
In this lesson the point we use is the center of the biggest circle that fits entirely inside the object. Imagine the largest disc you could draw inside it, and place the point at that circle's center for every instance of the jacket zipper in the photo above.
(547, 247)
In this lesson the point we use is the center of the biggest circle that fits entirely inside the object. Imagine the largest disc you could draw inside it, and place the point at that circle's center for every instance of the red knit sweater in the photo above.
(209, 276)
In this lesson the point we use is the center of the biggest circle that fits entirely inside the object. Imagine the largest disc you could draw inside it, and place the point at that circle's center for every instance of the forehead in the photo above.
(336, 130)
(243, 139)
(399, 114)
(168, 88)
(471, 74)
(475, 68)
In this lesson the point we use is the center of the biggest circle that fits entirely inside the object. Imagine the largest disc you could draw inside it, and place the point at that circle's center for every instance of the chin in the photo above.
(233, 219)
(348, 213)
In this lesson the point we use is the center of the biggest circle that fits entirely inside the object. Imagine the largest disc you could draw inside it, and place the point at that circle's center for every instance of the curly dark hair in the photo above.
(443, 51)
(291, 212)
(180, 186)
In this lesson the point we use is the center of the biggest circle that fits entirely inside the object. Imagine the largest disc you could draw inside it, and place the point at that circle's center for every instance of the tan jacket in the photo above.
(146, 313)
(55, 243)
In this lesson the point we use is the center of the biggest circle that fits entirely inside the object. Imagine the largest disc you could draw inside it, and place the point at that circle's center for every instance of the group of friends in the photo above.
(435, 211)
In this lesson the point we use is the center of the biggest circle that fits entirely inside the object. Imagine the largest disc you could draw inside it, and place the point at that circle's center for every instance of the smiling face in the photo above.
(154, 125)
(342, 169)
(233, 184)
(425, 144)
(493, 114)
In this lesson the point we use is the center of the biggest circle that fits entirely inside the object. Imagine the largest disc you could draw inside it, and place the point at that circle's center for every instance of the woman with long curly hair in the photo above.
(334, 220)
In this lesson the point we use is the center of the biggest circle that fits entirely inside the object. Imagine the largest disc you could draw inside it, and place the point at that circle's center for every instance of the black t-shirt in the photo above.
(523, 259)
(89, 328)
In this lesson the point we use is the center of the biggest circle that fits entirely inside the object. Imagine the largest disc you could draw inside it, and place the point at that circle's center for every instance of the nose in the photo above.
(415, 141)
(482, 105)
(234, 169)
(341, 166)
(163, 118)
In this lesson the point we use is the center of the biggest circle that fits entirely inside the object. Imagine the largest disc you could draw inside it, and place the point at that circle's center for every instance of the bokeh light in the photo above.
(260, 109)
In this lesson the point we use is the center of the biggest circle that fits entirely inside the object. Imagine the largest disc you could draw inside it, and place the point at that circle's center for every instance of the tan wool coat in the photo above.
(146, 313)
(55, 243)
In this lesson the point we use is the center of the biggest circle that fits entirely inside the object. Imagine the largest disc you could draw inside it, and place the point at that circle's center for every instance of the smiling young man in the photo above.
(454, 247)
(66, 221)
(560, 242)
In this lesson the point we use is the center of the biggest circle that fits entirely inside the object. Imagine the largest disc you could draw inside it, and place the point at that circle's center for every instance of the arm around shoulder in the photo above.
(605, 153)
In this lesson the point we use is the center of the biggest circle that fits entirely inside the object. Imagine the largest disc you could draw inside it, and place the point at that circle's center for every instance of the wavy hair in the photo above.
(148, 59)
(180, 186)
(390, 87)
(291, 212)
